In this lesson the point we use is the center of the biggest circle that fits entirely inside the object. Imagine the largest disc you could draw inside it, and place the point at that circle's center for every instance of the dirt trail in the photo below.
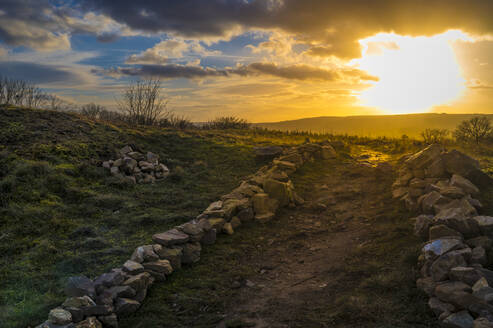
(306, 267)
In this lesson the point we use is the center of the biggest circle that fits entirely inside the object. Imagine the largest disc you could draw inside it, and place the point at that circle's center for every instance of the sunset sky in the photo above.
(265, 60)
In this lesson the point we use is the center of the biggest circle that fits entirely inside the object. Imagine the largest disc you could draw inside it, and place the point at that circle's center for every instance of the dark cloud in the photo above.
(37, 73)
(290, 72)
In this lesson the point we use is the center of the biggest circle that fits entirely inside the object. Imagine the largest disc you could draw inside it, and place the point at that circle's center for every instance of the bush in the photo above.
(227, 122)
(477, 129)
(175, 121)
(431, 136)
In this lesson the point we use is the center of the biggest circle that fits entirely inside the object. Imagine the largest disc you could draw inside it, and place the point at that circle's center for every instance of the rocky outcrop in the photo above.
(135, 167)
(101, 301)
(440, 185)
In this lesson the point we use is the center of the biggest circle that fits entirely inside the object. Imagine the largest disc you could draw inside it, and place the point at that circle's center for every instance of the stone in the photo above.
(98, 309)
(458, 163)
(482, 323)
(441, 266)
(171, 237)
(90, 322)
(417, 183)
(410, 203)
(425, 157)
(80, 286)
(328, 152)
(294, 158)
(235, 222)
(416, 192)
(460, 319)
(481, 283)
(267, 153)
(464, 184)
(246, 214)
(457, 219)
(129, 164)
(125, 306)
(462, 205)
(148, 178)
(277, 190)
(115, 171)
(449, 291)
(209, 238)
(144, 253)
(438, 247)
(121, 291)
(467, 275)
(138, 282)
(232, 205)
(482, 241)
(452, 192)
(152, 158)
(109, 279)
(125, 150)
(107, 164)
(228, 228)
(438, 307)
(78, 302)
(399, 192)
(442, 231)
(173, 255)
(193, 230)
(427, 285)
(204, 224)
(484, 294)
(191, 253)
(110, 321)
(262, 205)
(485, 224)
(422, 225)
(488, 274)
(479, 256)
(436, 169)
(160, 266)
(60, 317)
(133, 267)
(217, 223)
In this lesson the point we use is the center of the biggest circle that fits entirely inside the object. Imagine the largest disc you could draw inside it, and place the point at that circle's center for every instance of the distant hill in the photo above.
(374, 125)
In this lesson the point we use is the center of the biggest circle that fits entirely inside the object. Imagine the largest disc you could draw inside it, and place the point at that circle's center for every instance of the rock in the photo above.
(110, 321)
(460, 319)
(144, 253)
(193, 230)
(457, 219)
(438, 307)
(129, 164)
(99, 309)
(133, 267)
(204, 224)
(235, 222)
(217, 223)
(416, 192)
(173, 255)
(425, 157)
(458, 163)
(121, 291)
(428, 201)
(228, 228)
(152, 158)
(440, 268)
(215, 209)
(479, 255)
(464, 184)
(399, 192)
(209, 238)
(90, 322)
(78, 302)
(484, 294)
(442, 231)
(450, 291)
(294, 158)
(422, 225)
(482, 323)
(461, 205)
(107, 164)
(267, 153)
(138, 282)
(467, 275)
(191, 253)
(148, 178)
(288, 167)
(60, 317)
(109, 279)
(410, 203)
(171, 237)
(436, 169)
(125, 306)
(277, 190)
(474, 202)
(485, 224)
(125, 150)
(438, 247)
(452, 192)
(328, 152)
(263, 205)
(481, 283)
(115, 171)
(417, 183)
(80, 286)
(427, 285)
(160, 266)
(482, 241)
(232, 205)
(246, 214)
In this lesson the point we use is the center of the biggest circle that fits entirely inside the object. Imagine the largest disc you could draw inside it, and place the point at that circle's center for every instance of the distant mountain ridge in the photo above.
(374, 125)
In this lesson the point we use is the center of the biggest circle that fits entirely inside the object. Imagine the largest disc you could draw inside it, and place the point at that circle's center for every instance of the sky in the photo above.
(262, 60)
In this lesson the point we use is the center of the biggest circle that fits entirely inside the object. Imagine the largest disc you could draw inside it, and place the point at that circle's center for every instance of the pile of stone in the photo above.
(136, 167)
(99, 302)
(439, 185)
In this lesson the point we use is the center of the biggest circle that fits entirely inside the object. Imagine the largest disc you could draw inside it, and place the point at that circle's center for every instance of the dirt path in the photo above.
(344, 259)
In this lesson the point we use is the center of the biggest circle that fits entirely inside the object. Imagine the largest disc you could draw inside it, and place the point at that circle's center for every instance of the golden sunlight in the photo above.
(416, 73)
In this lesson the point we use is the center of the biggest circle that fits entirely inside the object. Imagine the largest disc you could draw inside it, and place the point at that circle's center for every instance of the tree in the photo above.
(142, 102)
(431, 136)
(476, 129)
(91, 111)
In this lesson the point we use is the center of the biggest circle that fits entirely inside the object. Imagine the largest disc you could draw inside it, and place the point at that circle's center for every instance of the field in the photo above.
(62, 214)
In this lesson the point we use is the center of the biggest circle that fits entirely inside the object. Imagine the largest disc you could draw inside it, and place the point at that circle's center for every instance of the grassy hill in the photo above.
(379, 125)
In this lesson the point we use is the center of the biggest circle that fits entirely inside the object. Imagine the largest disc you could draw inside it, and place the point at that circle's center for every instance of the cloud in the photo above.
(299, 72)
(37, 73)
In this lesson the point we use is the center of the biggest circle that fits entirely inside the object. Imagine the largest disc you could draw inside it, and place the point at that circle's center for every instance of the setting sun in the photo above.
(415, 73)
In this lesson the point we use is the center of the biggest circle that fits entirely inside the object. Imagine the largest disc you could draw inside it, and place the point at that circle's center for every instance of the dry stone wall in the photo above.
(99, 302)
(441, 186)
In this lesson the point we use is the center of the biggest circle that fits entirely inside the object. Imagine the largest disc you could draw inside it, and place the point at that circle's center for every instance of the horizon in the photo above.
(264, 61)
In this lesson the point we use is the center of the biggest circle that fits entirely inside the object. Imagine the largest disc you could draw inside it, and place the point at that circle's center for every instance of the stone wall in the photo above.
(99, 302)
(441, 186)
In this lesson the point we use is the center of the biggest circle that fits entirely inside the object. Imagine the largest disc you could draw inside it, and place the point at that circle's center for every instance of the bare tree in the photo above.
(476, 129)
(142, 102)
(431, 136)
(92, 111)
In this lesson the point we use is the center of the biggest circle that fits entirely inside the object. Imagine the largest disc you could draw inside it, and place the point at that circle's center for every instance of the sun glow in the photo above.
(415, 73)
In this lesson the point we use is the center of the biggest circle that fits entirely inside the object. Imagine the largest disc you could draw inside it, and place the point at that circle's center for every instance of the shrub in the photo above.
(477, 129)
(227, 122)
(175, 121)
(431, 136)
(92, 111)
